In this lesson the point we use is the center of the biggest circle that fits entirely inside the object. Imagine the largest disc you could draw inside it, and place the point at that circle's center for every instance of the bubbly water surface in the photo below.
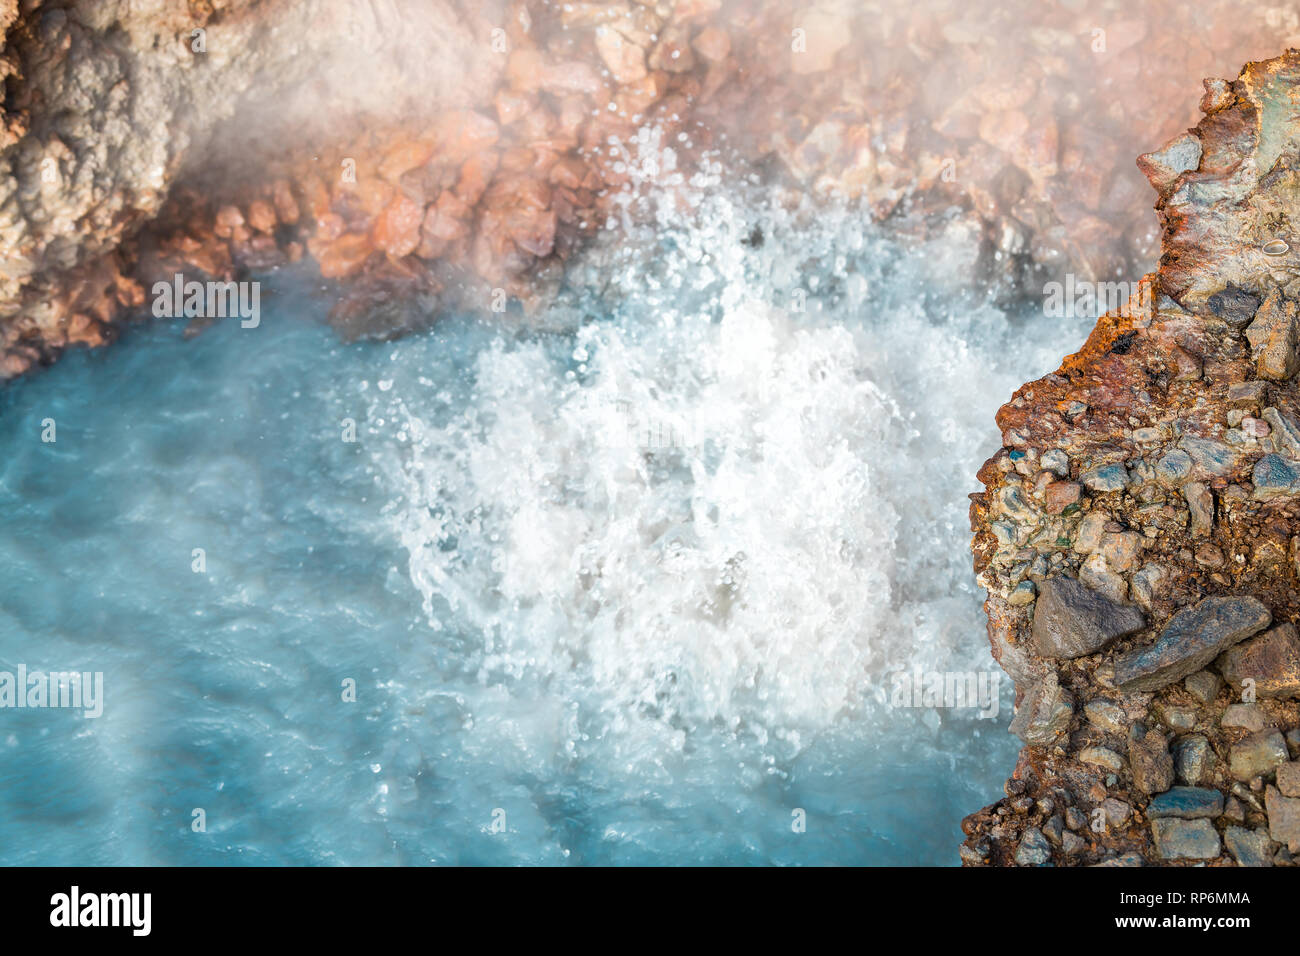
(631, 590)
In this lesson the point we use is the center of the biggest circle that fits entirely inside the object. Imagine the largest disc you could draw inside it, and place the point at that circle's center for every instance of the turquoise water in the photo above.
(628, 593)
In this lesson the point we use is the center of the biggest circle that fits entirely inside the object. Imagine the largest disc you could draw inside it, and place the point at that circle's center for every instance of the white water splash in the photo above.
(717, 508)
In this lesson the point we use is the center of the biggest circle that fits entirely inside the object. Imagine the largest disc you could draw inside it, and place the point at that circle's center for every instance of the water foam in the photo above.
(734, 504)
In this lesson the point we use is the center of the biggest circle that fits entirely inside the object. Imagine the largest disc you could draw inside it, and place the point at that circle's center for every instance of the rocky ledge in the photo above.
(1139, 531)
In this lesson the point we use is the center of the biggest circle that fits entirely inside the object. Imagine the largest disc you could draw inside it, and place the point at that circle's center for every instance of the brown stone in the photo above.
(1271, 661)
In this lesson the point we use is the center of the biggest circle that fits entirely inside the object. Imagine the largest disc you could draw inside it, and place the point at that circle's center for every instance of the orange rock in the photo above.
(129, 291)
(316, 197)
(373, 195)
(517, 159)
(447, 219)
(571, 77)
(684, 10)
(624, 59)
(568, 172)
(824, 35)
(673, 51)
(228, 218)
(286, 207)
(574, 112)
(344, 256)
(84, 330)
(431, 247)
(330, 226)
(403, 158)
(635, 98)
(525, 69)
(1002, 129)
(466, 133)
(261, 216)
(533, 230)
(713, 44)
(513, 106)
(537, 125)
(475, 175)
(397, 230)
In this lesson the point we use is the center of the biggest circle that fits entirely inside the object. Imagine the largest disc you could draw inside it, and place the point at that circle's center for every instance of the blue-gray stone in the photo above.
(1249, 847)
(1178, 839)
(1174, 468)
(1071, 619)
(1192, 638)
(1188, 803)
(1105, 478)
(1276, 477)
(1210, 456)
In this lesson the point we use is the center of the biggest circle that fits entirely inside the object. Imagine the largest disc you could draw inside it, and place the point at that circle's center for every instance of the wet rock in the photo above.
(1191, 639)
(1257, 755)
(1044, 714)
(1234, 305)
(713, 44)
(1118, 813)
(1178, 718)
(1163, 167)
(1023, 594)
(1102, 757)
(1106, 715)
(1288, 779)
(1033, 849)
(1203, 685)
(1121, 550)
(825, 33)
(1200, 502)
(1105, 478)
(623, 58)
(1177, 839)
(1243, 717)
(1173, 468)
(1193, 759)
(1150, 760)
(344, 256)
(1274, 336)
(1071, 619)
(1283, 818)
(1210, 457)
(1249, 847)
(1060, 495)
(1187, 803)
(1271, 661)
(1276, 477)
(1091, 529)
(1285, 431)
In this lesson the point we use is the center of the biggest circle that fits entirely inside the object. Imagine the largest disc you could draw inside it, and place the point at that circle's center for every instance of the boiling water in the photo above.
(634, 589)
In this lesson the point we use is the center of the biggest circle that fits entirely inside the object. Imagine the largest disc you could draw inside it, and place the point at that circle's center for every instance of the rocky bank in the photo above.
(453, 154)
(1139, 531)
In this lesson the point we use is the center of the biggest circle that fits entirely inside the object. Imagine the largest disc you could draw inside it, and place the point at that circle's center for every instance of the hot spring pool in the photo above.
(629, 591)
